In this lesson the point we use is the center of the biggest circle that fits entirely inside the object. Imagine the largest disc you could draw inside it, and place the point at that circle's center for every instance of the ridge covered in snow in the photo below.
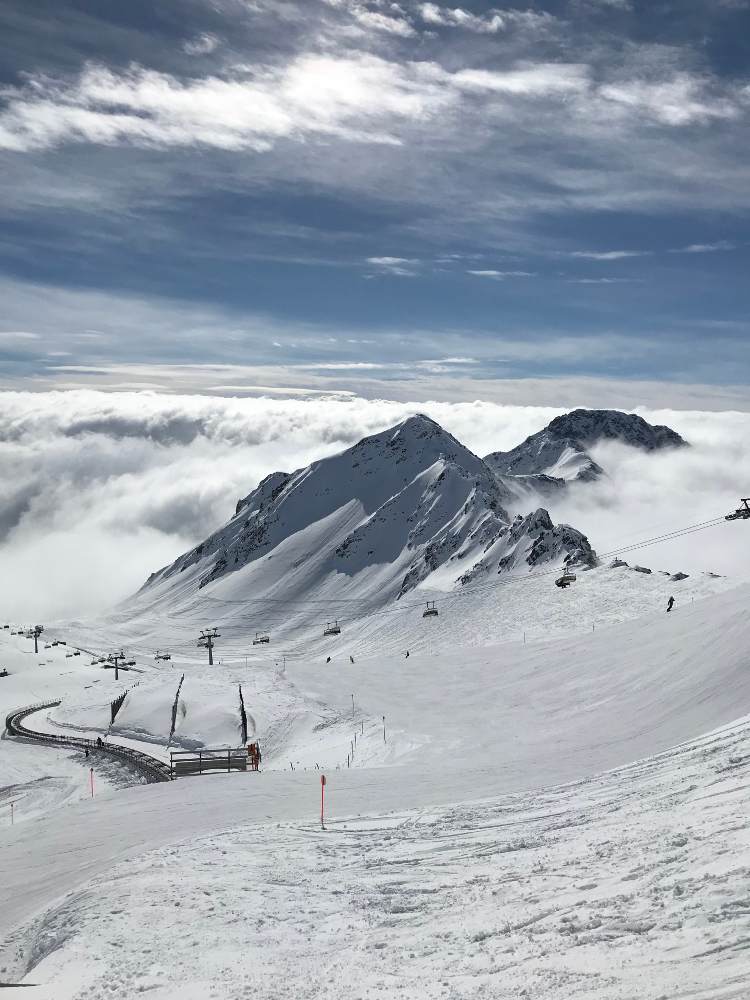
(398, 508)
(558, 454)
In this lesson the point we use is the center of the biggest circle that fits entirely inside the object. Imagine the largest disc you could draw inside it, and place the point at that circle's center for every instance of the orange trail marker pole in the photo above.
(322, 789)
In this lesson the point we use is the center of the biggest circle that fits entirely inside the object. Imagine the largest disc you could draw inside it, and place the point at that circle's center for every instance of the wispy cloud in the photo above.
(608, 254)
(705, 247)
(404, 267)
(499, 275)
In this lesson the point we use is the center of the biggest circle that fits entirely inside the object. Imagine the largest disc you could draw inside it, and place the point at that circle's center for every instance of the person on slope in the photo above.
(351, 659)
(670, 603)
(407, 655)
(328, 659)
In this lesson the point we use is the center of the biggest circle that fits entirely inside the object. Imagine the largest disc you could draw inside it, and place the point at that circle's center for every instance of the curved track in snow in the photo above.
(153, 770)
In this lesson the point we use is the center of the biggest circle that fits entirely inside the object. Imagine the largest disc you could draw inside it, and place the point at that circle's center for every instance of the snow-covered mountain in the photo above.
(372, 523)
(558, 454)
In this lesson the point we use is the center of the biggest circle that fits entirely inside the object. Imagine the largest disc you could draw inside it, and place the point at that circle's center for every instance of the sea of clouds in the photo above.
(98, 490)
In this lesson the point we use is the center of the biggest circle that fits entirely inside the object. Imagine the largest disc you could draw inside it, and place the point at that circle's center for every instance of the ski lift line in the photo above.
(670, 521)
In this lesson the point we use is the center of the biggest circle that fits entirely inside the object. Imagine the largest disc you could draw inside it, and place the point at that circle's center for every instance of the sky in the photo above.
(543, 203)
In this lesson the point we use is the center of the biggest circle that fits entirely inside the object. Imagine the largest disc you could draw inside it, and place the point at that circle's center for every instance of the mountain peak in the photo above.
(588, 427)
(370, 523)
(560, 449)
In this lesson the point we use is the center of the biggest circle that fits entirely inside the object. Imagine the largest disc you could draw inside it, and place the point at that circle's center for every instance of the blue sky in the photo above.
(400, 198)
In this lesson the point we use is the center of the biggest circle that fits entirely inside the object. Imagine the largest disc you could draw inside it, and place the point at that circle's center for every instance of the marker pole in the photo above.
(11, 814)
(352, 704)
(383, 729)
(92, 782)
(322, 789)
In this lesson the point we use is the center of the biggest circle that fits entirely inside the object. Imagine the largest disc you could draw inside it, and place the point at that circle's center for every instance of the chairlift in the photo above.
(431, 611)
(102, 659)
(741, 513)
(68, 656)
(93, 663)
(332, 629)
(260, 639)
(77, 653)
(6, 626)
(565, 580)
(55, 642)
(130, 663)
(46, 645)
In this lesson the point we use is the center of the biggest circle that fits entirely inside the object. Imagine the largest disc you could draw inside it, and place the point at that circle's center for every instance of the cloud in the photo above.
(202, 44)
(249, 108)
(381, 22)
(402, 266)
(681, 100)
(705, 247)
(98, 490)
(499, 275)
(456, 17)
(608, 254)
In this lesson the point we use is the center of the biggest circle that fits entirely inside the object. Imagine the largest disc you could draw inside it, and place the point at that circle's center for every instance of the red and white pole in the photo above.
(322, 788)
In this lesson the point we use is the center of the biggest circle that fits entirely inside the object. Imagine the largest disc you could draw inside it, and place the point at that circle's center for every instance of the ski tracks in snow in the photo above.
(631, 884)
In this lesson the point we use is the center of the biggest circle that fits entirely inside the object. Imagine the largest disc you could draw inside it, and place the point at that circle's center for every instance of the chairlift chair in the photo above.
(77, 653)
(332, 629)
(259, 638)
(430, 611)
(130, 663)
(565, 580)
(741, 513)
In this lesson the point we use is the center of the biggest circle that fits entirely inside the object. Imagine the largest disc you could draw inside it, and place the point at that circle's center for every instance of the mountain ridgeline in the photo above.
(558, 454)
(408, 506)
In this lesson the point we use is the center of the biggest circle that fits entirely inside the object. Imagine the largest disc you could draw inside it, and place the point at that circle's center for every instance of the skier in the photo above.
(351, 659)
(407, 655)
(328, 659)
(670, 603)
(98, 741)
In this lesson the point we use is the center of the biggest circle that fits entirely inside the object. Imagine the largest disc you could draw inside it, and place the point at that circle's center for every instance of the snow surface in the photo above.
(546, 798)
(443, 862)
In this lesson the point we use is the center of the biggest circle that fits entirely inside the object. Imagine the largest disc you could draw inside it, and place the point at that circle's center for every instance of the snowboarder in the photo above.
(328, 659)
(351, 659)
(670, 603)
(407, 655)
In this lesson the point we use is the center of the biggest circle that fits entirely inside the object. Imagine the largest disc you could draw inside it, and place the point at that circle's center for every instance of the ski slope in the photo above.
(462, 726)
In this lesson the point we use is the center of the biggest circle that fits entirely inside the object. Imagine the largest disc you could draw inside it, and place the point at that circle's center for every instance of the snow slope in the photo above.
(633, 884)
(462, 725)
